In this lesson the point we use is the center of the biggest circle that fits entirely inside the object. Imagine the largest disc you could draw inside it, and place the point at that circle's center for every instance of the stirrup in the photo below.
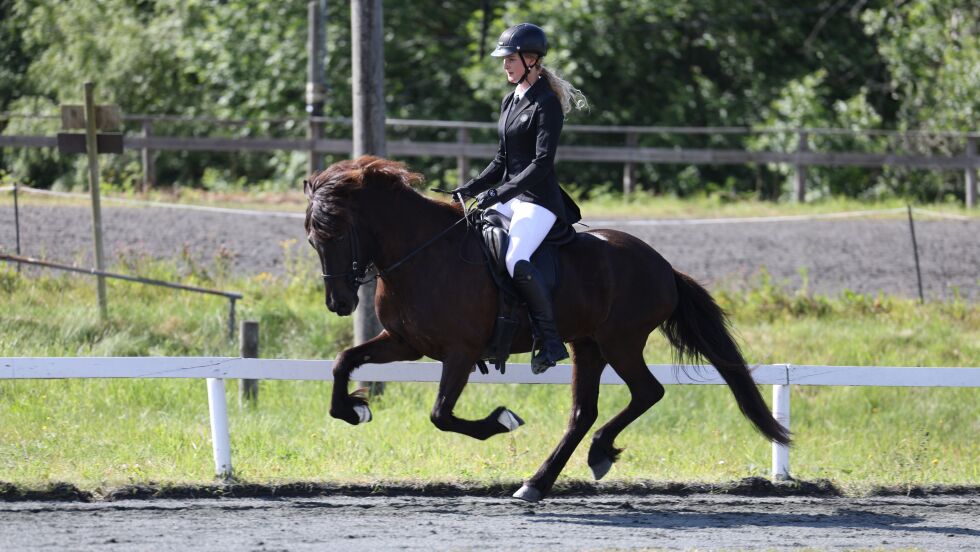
(541, 360)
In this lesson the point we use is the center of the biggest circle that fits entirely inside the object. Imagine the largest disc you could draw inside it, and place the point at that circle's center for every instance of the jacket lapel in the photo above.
(515, 110)
(526, 100)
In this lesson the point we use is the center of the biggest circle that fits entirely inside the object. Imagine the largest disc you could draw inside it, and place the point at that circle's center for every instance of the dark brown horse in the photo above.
(613, 292)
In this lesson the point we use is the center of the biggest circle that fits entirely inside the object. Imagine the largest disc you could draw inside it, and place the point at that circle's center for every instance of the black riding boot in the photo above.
(528, 282)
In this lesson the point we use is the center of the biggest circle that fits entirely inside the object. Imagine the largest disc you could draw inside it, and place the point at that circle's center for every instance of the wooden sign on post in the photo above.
(108, 121)
(107, 117)
(102, 124)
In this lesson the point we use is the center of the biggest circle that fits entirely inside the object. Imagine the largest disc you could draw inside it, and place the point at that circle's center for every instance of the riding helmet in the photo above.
(525, 38)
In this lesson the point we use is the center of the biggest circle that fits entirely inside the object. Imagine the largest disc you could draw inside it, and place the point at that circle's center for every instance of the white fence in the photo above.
(217, 369)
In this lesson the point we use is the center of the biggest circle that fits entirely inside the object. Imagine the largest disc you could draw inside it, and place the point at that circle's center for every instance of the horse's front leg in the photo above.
(383, 348)
(455, 373)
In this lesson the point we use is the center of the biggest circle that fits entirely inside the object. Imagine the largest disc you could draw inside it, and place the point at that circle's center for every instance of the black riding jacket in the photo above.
(524, 165)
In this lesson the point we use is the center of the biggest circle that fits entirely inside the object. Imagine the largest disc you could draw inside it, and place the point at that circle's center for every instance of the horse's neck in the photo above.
(403, 222)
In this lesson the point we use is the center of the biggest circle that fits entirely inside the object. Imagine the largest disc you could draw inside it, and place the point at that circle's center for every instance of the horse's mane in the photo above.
(330, 191)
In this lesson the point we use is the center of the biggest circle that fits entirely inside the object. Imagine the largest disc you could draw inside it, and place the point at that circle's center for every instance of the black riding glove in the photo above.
(461, 192)
(487, 199)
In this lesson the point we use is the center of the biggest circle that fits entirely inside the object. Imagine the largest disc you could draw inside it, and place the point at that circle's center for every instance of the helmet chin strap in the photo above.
(527, 68)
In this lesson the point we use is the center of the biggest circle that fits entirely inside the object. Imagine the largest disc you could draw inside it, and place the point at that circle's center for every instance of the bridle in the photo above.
(355, 276)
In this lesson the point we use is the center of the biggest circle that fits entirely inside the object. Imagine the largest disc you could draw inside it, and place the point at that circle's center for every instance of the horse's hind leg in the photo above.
(586, 370)
(625, 355)
(455, 374)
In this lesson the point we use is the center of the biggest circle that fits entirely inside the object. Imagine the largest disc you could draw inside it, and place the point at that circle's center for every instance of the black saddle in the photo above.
(494, 228)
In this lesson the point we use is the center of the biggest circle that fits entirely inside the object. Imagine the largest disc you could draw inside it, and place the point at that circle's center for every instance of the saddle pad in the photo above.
(545, 258)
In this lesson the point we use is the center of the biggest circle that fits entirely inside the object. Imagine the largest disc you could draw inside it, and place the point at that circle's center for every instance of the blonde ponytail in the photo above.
(569, 96)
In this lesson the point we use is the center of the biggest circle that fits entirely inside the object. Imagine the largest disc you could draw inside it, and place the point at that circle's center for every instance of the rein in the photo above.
(356, 273)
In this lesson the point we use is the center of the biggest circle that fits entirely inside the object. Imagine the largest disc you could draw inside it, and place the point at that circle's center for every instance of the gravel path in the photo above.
(861, 255)
(609, 522)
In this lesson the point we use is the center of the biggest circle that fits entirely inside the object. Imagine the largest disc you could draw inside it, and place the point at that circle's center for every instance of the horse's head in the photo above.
(334, 228)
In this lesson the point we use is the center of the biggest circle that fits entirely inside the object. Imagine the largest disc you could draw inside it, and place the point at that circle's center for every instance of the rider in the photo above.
(520, 182)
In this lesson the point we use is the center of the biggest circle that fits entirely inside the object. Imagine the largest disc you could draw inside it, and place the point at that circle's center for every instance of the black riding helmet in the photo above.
(524, 38)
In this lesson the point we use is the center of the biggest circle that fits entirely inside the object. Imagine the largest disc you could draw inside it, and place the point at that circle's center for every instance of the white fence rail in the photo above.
(217, 369)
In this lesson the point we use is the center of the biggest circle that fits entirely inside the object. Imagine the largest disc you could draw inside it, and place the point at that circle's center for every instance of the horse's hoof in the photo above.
(363, 413)
(528, 494)
(600, 468)
(509, 420)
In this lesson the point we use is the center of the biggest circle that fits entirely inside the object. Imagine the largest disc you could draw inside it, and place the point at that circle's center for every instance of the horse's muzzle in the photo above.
(341, 307)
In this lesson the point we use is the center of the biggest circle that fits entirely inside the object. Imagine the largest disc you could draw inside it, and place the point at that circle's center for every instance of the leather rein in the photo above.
(355, 275)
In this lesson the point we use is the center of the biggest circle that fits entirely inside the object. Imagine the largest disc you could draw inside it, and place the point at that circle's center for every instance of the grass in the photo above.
(97, 433)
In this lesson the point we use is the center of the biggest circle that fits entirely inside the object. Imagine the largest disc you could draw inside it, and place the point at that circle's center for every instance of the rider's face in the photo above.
(514, 69)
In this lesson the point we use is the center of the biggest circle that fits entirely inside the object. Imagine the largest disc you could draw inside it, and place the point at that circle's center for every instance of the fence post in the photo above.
(220, 441)
(799, 188)
(147, 159)
(91, 145)
(17, 224)
(780, 452)
(629, 169)
(971, 172)
(462, 162)
(248, 389)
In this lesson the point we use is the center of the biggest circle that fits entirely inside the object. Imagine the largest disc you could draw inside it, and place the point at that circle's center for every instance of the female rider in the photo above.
(520, 182)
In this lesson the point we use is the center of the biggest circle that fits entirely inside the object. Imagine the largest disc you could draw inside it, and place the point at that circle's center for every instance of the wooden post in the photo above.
(147, 159)
(629, 169)
(231, 318)
(971, 172)
(248, 389)
(91, 146)
(367, 52)
(799, 191)
(462, 162)
(315, 90)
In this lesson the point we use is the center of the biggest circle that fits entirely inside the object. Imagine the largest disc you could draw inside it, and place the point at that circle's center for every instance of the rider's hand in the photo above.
(487, 199)
(461, 192)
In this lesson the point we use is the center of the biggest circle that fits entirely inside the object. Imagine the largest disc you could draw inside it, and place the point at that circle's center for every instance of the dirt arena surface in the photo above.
(607, 522)
(862, 255)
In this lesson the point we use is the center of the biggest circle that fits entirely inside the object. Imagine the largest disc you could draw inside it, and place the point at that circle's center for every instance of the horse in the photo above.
(433, 300)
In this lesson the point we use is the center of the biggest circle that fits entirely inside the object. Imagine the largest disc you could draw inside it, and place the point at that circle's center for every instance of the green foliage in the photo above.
(682, 63)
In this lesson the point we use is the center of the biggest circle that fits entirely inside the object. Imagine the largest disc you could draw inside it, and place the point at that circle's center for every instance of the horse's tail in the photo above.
(699, 329)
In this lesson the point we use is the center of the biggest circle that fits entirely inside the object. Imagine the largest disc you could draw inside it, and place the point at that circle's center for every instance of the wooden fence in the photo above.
(463, 149)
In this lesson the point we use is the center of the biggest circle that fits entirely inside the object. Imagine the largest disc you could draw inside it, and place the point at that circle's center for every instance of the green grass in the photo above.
(108, 432)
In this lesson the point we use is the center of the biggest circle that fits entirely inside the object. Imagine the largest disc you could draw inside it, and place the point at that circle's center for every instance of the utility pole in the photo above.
(315, 88)
(367, 49)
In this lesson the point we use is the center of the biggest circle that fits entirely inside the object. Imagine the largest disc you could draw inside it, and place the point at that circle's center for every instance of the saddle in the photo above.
(494, 228)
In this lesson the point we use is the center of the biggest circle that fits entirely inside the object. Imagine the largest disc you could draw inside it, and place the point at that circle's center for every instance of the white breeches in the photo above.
(529, 225)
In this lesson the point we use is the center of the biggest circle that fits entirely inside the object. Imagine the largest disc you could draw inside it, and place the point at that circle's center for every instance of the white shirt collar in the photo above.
(518, 93)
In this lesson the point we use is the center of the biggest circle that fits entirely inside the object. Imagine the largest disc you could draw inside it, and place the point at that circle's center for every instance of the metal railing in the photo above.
(230, 295)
